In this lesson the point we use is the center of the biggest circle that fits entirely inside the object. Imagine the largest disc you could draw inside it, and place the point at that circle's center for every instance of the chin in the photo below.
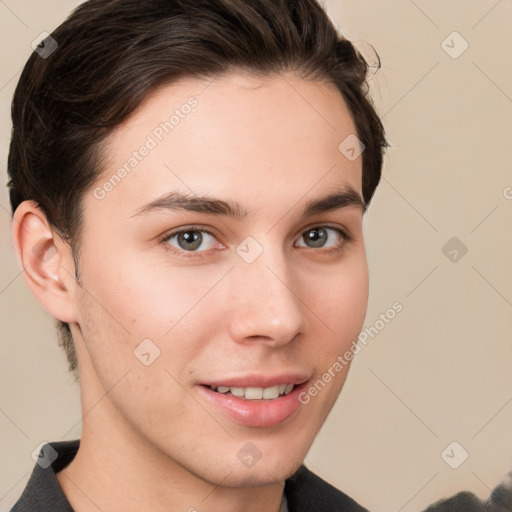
(262, 473)
(260, 476)
(277, 463)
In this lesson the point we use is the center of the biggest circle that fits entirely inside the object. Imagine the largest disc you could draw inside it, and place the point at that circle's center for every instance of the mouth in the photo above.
(255, 393)
(256, 402)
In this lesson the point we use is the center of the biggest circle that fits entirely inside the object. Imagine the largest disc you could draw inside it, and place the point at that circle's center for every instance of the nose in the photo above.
(266, 306)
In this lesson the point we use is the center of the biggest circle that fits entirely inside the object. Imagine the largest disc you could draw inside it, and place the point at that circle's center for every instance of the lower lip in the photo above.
(255, 413)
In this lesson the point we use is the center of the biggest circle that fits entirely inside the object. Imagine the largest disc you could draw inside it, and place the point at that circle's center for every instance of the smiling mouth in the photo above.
(255, 393)
(253, 405)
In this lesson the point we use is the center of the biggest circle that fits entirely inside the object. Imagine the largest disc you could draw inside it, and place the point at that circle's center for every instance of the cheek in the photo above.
(127, 304)
(149, 298)
(341, 302)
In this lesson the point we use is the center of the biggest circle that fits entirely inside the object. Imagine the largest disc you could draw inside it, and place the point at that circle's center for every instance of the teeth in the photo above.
(252, 393)
(237, 391)
(272, 392)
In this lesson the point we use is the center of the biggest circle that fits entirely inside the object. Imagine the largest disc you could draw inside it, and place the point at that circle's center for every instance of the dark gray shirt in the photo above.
(304, 491)
(500, 500)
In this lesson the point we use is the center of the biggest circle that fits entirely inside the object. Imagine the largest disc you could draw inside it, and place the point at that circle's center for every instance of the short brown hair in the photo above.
(112, 53)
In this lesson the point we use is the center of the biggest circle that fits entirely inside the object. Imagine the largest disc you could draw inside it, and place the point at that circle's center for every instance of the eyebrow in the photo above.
(346, 197)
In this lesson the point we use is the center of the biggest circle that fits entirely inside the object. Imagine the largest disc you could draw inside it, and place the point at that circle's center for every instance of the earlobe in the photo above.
(46, 261)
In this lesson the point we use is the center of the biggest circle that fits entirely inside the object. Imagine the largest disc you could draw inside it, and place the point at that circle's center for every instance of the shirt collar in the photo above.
(43, 486)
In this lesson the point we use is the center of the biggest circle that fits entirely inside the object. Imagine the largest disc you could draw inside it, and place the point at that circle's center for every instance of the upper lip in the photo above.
(258, 380)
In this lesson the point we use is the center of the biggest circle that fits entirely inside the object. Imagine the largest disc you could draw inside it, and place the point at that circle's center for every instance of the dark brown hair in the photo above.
(112, 53)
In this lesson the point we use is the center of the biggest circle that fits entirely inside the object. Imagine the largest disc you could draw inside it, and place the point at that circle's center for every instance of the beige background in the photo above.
(437, 373)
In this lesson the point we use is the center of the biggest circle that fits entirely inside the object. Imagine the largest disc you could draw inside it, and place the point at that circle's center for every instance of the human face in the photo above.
(263, 298)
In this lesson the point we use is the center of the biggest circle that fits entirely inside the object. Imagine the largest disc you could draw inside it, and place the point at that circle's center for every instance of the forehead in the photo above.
(238, 134)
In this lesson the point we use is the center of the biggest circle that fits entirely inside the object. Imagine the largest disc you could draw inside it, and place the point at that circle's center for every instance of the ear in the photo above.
(46, 261)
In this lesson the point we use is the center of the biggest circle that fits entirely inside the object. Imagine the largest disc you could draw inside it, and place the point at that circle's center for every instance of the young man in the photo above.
(188, 182)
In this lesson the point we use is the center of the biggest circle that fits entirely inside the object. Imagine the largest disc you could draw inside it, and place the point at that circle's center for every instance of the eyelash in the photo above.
(346, 238)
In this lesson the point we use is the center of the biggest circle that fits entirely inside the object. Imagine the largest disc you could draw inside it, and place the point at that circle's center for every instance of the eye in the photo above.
(318, 237)
(190, 239)
(194, 241)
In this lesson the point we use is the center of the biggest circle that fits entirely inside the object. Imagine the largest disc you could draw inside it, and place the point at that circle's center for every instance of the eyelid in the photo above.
(342, 229)
(189, 227)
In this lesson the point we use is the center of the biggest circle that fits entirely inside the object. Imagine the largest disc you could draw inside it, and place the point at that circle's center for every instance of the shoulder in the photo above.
(461, 502)
(43, 492)
(306, 491)
(500, 500)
